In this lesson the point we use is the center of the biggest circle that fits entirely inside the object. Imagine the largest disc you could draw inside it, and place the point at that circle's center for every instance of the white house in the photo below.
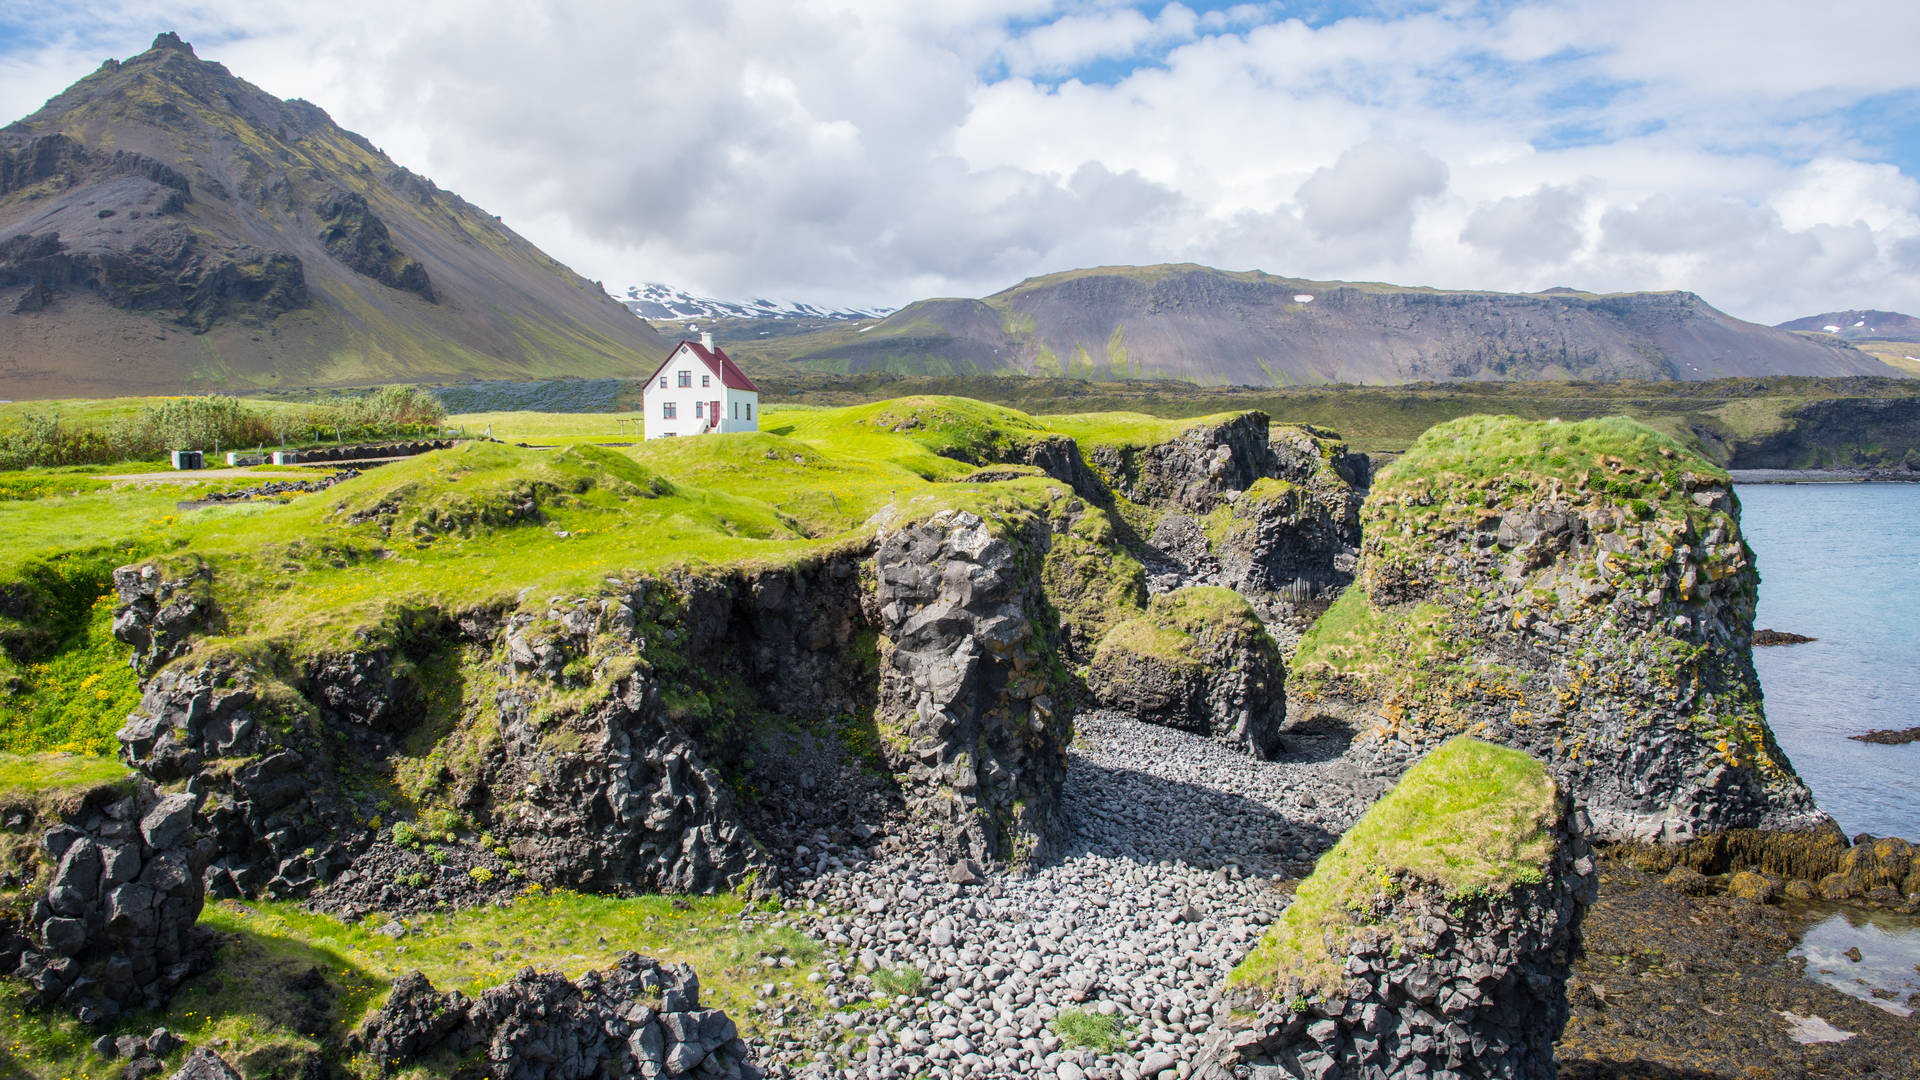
(698, 391)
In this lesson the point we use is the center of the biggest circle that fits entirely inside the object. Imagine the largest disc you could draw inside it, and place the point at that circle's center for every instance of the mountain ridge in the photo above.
(655, 301)
(1216, 327)
(1863, 324)
(166, 226)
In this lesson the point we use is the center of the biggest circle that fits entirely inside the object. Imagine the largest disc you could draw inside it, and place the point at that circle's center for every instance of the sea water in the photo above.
(1841, 563)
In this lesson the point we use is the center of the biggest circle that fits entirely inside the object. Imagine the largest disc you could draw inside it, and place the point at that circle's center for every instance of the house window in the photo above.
(706, 381)
(700, 409)
(749, 410)
(686, 378)
(663, 382)
(668, 410)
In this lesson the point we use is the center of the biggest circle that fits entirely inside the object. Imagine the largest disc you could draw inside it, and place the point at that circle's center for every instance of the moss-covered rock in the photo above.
(1578, 590)
(1438, 934)
(1196, 659)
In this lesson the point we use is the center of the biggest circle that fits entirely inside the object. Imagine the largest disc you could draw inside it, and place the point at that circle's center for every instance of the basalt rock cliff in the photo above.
(1385, 971)
(166, 226)
(1580, 591)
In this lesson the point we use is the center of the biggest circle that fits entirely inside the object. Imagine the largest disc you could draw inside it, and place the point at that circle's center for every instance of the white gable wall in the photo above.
(739, 409)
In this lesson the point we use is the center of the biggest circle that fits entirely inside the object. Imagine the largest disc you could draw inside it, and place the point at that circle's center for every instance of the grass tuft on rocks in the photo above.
(1472, 819)
(1173, 621)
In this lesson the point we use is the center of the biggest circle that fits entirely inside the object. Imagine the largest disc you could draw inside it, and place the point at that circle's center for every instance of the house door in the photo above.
(713, 413)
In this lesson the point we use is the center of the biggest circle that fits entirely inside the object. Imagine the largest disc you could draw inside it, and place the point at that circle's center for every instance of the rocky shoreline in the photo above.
(1825, 476)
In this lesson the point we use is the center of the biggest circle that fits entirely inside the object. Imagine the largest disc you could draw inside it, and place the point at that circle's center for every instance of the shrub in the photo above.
(480, 875)
(405, 835)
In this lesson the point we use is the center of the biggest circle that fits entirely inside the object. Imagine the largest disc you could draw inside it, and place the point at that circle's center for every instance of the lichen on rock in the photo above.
(1578, 590)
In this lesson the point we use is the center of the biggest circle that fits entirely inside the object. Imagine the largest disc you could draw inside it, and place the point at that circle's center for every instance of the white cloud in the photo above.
(868, 151)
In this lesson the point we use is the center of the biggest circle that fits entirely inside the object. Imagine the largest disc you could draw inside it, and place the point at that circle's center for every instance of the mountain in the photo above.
(659, 302)
(1860, 325)
(168, 227)
(1216, 327)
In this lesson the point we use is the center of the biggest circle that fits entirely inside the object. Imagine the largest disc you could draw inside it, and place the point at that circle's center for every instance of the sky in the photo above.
(861, 153)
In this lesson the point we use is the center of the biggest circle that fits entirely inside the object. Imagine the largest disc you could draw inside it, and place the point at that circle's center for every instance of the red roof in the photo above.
(717, 361)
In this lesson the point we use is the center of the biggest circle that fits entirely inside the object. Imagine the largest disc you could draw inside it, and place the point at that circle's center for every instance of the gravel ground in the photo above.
(1172, 848)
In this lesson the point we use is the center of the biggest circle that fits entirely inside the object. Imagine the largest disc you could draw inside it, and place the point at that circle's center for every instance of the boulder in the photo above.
(1435, 939)
(1198, 659)
(1580, 591)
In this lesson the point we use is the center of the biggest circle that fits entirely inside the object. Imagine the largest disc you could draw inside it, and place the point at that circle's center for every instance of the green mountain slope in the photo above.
(165, 226)
(1216, 327)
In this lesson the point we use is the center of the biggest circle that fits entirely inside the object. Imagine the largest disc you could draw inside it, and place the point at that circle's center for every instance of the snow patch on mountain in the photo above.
(654, 301)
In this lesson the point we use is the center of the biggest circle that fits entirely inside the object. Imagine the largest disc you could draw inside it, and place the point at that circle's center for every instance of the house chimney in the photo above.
(706, 340)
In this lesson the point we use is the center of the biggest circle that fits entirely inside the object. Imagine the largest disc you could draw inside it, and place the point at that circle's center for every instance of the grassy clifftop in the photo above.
(1471, 819)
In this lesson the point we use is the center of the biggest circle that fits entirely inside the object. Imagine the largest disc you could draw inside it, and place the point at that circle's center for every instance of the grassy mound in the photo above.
(1471, 819)
(1411, 638)
(1173, 624)
(287, 982)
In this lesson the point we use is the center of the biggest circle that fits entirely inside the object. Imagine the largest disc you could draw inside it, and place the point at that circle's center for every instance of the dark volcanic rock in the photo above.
(1472, 987)
(355, 235)
(278, 823)
(1778, 637)
(115, 927)
(634, 1018)
(160, 609)
(966, 681)
(1198, 660)
(615, 799)
(1292, 540)
(1593, 609)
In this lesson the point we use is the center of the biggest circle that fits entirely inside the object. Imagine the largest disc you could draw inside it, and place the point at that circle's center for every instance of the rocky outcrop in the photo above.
(1435, 939)
(356, 236)
(1198, 660)
(1196, 470)
(114, 930)
(1479, 989)
(250, 749)
(636, 1018)
(1580, 591)
(169, 269)
(1270, 512)
(966, 681)
(614, 799)
(161, 607)
(1291, 541)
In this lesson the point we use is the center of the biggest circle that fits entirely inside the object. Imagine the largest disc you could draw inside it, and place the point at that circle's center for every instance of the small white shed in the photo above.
(699, 390)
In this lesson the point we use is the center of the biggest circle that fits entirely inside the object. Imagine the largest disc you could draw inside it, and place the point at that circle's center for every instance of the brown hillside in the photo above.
(166, 227)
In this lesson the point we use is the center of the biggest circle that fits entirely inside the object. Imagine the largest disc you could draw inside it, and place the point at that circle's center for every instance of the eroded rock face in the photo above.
(636, 1018)
(265, 775)
(965, 680)
(1597, 617)
(159, 611)
(356, 236)
(1477, 990)
(114, 930)
(1201, 665)
(1292, 543)
(618, 799)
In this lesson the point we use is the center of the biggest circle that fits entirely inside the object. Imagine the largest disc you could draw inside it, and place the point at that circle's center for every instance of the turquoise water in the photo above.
(1841, 563)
